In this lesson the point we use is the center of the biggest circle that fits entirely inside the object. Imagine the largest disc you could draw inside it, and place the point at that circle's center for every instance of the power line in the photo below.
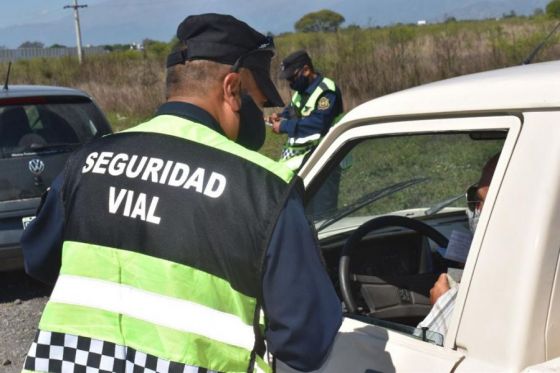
(77, 22)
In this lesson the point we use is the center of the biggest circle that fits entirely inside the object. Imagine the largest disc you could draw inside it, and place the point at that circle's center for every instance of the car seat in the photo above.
(14, 124)
(57, 129)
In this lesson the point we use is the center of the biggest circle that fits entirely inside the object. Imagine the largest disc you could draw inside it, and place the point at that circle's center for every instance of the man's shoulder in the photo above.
(328, 84)
(329, 87)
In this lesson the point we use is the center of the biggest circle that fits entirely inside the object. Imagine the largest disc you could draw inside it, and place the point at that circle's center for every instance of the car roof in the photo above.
(509, 89)
(14, 91)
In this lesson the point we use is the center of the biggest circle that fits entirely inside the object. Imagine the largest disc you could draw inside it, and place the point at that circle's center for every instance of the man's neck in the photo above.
(202, 102)
(212, 105)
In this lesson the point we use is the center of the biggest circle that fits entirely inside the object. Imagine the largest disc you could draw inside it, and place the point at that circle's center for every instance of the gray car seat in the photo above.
(57, 129)
(14, 124)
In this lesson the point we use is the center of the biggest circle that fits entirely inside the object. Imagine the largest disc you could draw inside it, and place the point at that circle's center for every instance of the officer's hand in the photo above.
(440, 287)
(276, 125)
(272, 118)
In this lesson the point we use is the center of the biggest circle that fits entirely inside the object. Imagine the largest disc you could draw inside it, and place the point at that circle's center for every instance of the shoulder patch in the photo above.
(324, 103)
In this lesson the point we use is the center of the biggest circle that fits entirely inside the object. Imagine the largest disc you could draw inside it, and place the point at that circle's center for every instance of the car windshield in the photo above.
(410, 175)
(47, 126)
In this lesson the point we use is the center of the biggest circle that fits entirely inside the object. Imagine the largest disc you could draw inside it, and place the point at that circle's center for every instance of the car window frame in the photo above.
(326, 155)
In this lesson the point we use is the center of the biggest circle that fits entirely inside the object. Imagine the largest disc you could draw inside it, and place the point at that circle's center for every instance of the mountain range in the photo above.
(127, 21)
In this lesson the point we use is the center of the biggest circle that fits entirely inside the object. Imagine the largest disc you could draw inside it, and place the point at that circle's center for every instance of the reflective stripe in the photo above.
(261, 367)
(160, 341)
(326, 84)
(155, 275)
(304, 140)
(158, 309)
(294, 163)
(296, 101)
(192, 131)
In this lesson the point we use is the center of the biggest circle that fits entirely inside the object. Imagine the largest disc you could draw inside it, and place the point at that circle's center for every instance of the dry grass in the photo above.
(365, 63)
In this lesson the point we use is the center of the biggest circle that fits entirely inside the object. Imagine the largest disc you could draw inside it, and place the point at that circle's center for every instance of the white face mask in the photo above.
(473, 219)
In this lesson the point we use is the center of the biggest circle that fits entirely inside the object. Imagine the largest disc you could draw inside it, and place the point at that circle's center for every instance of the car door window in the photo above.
(420, 176)
(437, 167)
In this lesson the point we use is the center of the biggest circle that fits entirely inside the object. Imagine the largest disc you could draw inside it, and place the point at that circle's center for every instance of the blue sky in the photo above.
(18, 12)
(126, 21)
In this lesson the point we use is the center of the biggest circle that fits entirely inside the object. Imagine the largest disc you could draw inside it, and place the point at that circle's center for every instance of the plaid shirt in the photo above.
(439, 317)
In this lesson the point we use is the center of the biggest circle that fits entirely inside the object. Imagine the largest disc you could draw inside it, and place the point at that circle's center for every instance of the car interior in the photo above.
(33, 127)
(44, 130)
(14, 125)
(384, 219)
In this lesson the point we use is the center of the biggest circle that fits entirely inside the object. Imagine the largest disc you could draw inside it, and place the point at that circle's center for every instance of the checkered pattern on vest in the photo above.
(61, 353)
(292, 151)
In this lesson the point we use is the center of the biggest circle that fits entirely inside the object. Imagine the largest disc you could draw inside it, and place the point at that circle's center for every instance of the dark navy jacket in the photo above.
(319, 121)
(303, 310)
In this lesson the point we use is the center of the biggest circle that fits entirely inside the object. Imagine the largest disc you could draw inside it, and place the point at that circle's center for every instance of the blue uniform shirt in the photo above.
(320, 119)
(303, 310)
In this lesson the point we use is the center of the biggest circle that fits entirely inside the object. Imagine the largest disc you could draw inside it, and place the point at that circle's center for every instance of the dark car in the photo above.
(39, 127)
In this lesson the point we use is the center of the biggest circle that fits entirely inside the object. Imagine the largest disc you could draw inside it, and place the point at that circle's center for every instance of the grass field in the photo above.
(448, 162)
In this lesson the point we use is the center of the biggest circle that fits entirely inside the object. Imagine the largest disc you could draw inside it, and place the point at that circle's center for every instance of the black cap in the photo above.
(225, 39)
(293, 62)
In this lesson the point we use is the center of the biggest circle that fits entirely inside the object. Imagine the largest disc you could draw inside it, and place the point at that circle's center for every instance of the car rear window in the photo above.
(34, 124)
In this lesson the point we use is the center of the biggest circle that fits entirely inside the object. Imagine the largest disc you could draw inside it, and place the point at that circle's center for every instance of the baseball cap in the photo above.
(225, 39)
(293, 62)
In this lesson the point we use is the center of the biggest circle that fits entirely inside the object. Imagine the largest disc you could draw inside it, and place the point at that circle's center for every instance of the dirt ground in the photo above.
(21, 303)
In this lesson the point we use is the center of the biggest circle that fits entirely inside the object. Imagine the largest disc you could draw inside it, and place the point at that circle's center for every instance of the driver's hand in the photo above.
(439, 288)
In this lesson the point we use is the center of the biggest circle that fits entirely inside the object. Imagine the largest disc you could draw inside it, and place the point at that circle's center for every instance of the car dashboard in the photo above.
(393, 269)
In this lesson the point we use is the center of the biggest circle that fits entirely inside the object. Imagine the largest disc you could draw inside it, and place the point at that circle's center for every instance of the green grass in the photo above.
(451, 162)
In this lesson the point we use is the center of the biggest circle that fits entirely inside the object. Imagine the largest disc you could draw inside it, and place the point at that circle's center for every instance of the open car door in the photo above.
(381, 334)
(361, 347)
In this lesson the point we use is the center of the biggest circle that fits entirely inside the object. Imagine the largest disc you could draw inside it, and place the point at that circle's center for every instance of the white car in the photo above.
(406, 160)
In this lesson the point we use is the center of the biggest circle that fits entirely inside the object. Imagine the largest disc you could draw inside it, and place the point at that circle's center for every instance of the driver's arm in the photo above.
(303, 310)
(440, 315)
(440, 287)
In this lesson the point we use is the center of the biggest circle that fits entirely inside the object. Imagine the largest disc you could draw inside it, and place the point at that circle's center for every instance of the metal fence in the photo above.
(28, 53)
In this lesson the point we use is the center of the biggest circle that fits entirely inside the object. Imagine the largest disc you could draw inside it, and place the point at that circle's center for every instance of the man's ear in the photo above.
(231, 87)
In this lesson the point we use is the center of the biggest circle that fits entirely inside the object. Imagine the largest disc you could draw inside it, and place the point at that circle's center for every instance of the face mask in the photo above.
(251, 124)
(300, 83)
(473, 219)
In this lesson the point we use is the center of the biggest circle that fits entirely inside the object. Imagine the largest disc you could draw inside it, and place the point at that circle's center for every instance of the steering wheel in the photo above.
(361, 232)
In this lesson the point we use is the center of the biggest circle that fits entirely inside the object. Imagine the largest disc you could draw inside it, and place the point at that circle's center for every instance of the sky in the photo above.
(127, 21)
(22, 12)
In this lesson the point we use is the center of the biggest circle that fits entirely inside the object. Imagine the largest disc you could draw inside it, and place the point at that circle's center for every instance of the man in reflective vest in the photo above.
(316, 105)
(177, 237)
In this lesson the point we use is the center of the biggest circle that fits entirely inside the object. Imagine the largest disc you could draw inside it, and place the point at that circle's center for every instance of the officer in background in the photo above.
(316, 105)
(175, 234)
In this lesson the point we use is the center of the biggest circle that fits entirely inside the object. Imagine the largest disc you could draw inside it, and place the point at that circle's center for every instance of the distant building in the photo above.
(137, 46)
(30, 53)
(421, 22)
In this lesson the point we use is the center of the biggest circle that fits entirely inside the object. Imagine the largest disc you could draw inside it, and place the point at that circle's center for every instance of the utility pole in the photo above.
(77, 22)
